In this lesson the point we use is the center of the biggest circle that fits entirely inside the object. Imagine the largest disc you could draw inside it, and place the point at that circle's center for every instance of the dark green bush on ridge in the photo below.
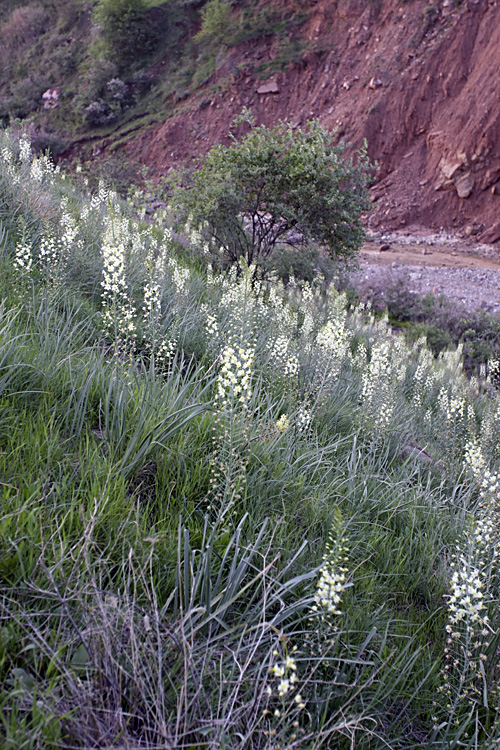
(127, 29)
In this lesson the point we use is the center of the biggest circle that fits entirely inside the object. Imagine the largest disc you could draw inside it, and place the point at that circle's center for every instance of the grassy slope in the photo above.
(161, 548)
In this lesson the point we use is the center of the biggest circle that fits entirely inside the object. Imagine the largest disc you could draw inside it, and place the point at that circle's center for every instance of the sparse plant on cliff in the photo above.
(215, 21)
(278, 187)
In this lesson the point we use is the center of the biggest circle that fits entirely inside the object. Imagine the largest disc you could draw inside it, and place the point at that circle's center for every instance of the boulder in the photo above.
(472, 229)
(464, 185)
(450, 167)
(270, 87)
(491, 235)
(490, 177)
(444, 185)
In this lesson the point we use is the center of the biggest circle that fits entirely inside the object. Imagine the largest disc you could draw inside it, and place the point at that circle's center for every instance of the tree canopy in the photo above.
(279, 186)
(127, 29)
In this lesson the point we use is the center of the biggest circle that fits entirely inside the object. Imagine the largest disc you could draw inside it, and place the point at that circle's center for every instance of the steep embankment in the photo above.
(420, 82)
(418, 79)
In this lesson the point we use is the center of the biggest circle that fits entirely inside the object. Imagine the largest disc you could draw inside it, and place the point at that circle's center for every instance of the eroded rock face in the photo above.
(433, 125)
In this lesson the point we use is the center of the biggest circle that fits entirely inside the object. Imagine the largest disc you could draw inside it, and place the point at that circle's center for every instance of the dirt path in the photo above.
(462, 270)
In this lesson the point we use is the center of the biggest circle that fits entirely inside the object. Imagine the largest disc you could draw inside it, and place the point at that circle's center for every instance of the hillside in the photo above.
(419, 81)
(234, 514)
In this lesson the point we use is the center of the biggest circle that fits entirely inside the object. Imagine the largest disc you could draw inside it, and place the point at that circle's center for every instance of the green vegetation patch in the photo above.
(277, 188)
(102, 64)
(233, 513)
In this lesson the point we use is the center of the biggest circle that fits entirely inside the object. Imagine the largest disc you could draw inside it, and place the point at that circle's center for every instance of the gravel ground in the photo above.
(462, 271)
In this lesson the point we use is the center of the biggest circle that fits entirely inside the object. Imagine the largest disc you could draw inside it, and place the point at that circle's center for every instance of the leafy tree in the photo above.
(276, 187)
(127, 28)
(215, 21)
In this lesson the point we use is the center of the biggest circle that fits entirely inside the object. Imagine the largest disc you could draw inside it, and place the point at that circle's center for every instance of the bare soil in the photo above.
(419, 81)
(464, 271)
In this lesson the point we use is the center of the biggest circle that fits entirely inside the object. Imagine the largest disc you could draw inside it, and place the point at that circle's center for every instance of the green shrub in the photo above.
(21, 29)
(278, 186)
(215, 21)
(127, 28)
(303, 264)
(104, 96)
(26, 95)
